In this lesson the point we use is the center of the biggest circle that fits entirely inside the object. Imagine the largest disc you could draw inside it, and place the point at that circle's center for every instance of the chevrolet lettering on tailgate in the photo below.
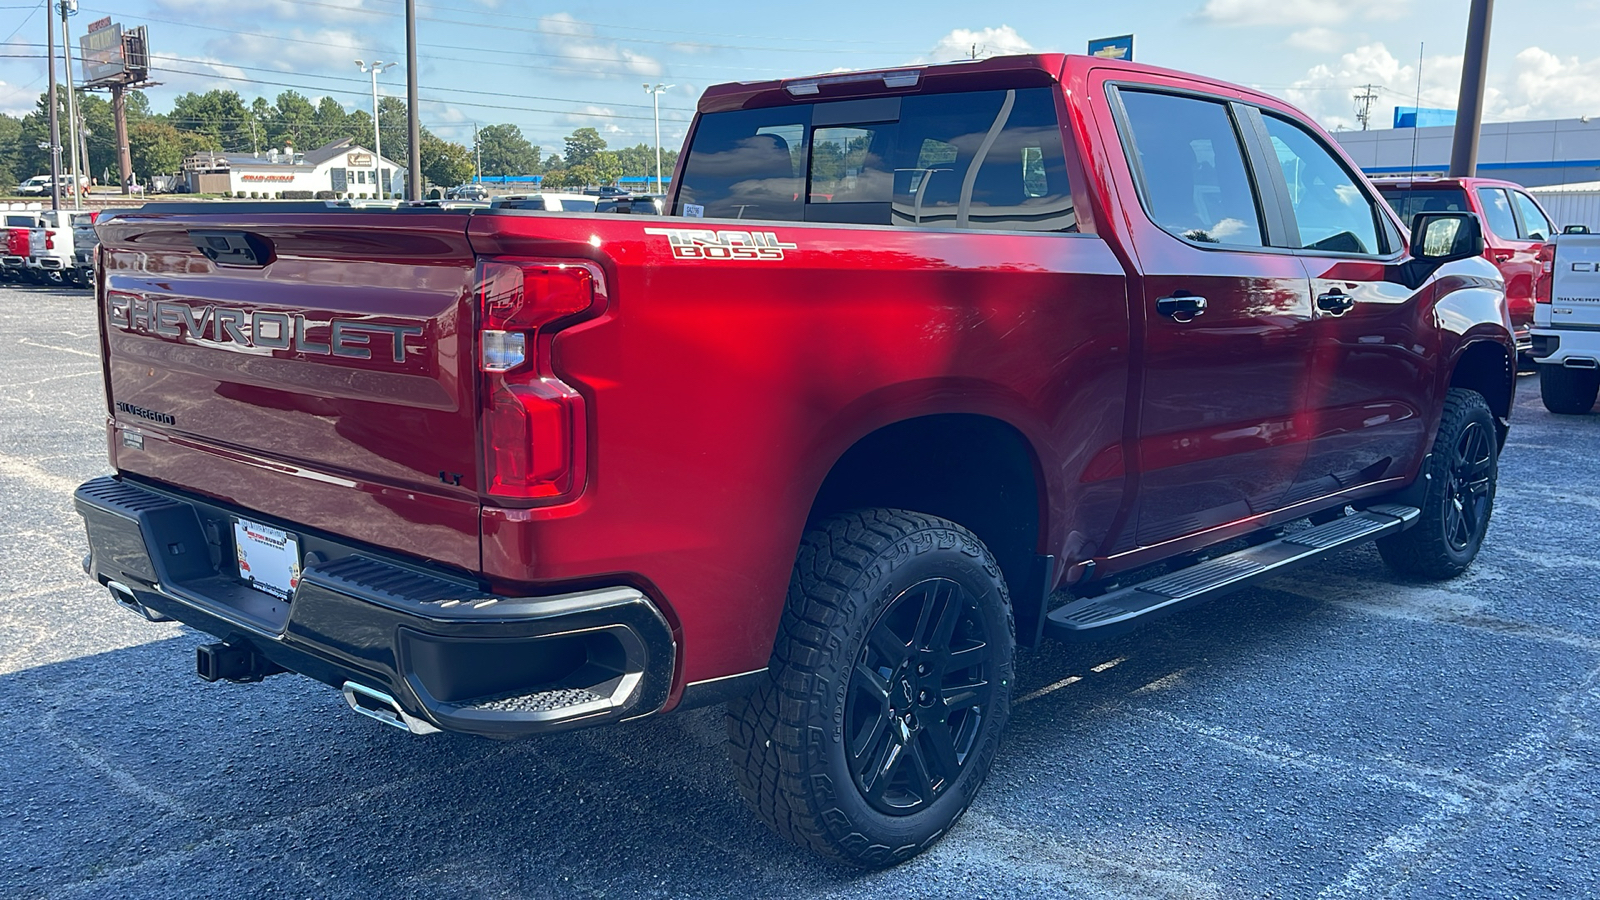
(243, 328)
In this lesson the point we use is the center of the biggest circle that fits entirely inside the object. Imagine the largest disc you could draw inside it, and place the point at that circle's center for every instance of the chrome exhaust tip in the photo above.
(376, 704)
(125, 598)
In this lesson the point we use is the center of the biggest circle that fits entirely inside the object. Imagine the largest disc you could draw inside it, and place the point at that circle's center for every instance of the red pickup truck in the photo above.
(1516, 235)
(922, 365)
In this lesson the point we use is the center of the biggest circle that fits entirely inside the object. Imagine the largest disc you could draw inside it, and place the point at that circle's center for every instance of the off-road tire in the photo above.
(1568, 392)
(791, 740)
(1459, 497)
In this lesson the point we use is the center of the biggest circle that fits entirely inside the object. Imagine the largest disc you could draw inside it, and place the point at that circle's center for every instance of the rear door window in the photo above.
(1497, 213)
(1534, 226)
(985, 159)
(1191, 168)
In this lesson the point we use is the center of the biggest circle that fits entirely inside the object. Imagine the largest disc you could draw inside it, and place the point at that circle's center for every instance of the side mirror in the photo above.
(1440, 237)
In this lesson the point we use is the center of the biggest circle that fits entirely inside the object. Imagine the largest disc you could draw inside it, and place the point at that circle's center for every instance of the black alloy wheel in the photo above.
(1467, 487)
(918, 696)
(1456, 493)
(887, 691)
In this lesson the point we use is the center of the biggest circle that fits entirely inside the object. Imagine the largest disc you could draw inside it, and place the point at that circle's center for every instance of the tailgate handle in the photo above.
(240, 249)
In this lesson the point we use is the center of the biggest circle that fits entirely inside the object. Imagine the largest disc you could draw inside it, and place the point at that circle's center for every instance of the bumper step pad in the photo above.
(1093, 618)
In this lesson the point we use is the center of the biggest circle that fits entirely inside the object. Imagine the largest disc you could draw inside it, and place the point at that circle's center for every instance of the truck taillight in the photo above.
(1545, 276)
(49, 240)
(534, 423)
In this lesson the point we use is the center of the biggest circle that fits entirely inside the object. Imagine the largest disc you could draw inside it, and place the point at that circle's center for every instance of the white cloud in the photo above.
(1546, 86)
(1539, 85)
(576, 43)
(1316, 40)
(15, 100)
(301, 51)
(363, 11)
(1328, 90)
(1298, 12)
(963, 43)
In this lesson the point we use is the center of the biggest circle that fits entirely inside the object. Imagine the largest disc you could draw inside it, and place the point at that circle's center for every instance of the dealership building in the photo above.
(1532, 154)
(341, 167)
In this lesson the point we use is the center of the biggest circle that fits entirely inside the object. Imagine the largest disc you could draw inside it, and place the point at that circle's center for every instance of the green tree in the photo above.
(293, 122)
(505, 151)
(444, 163)
(10, 138)
(582, 145)
(218, 114)
(159, 148)
(392, 119)
(330, 120)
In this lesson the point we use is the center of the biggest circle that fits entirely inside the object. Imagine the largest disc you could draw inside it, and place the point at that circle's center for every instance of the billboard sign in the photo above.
(102, 54)
(1120, 47)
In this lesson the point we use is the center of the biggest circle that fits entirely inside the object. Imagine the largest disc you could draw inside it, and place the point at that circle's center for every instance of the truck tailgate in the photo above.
(1575, 289)
(313, 366)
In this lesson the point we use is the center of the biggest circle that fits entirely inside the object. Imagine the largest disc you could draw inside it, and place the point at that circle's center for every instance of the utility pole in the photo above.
(55, 125)
(119, 114)
(655, 98)
(477, 155)
(70, 8)
(378, 65)
(1364, 101)
(413, 115)
(1469, 108)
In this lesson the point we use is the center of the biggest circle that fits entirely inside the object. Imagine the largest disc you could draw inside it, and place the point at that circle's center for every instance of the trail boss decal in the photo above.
(696, 243)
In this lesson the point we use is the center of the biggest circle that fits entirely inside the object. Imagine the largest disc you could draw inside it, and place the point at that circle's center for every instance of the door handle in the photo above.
(1501, 256)
(1182, 307)
(1336, 302)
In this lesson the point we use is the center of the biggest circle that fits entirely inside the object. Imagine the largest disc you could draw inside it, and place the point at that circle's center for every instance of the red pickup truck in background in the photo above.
(1516, 232)
(923, 364)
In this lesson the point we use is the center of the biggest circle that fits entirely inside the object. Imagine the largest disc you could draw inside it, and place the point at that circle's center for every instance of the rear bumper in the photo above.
(1577, 348)
(449, 653)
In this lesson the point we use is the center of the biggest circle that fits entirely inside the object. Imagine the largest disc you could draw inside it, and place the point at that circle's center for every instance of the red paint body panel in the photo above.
(718, 394)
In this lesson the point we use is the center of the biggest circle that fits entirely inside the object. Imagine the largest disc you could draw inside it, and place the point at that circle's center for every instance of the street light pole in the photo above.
(55, 125)
(70, 8)
(378, 65)
(655, 101)
(413, 114)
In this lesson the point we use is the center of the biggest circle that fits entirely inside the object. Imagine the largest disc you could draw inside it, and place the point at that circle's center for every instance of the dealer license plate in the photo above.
(269, 558)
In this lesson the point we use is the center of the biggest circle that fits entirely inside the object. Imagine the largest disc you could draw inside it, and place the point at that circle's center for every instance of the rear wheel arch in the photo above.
(978, 471)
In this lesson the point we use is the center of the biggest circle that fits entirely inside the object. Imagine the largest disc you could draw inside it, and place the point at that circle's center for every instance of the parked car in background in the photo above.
(550, 201)
(1515, 229)
(1566, 325)
(18, 225)
(467, 192)
(39, 185)
(639, 206)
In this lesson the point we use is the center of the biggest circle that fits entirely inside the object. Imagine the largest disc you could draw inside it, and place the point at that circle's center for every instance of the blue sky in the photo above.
(553, 67)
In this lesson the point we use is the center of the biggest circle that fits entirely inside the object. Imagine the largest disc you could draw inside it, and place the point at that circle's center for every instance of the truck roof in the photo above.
(996, 72)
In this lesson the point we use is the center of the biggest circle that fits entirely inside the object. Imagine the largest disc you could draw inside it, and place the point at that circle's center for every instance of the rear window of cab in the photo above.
(984, 159)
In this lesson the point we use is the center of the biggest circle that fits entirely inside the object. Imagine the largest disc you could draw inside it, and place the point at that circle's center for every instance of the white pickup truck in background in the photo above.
(1566, 326)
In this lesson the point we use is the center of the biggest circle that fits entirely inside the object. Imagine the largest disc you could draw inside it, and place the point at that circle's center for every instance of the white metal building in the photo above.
(1571, 204)
(341, 167)
(1551, 151)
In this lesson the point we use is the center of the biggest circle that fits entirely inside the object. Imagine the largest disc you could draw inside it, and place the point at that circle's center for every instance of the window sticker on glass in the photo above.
(694, 210)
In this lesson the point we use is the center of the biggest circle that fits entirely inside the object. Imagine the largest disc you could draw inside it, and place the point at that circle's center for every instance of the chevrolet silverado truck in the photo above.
(1566, 324)
(921, 365)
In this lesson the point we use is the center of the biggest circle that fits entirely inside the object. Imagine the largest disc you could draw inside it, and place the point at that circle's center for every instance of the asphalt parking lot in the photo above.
(1336, 733)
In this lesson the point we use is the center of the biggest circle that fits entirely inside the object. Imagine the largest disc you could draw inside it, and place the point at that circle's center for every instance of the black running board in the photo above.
(1110, 614)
